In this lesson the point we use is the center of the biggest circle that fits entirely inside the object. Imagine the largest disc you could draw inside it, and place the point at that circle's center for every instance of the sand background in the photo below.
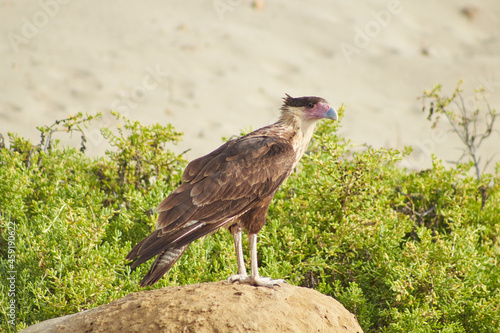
(212, 68)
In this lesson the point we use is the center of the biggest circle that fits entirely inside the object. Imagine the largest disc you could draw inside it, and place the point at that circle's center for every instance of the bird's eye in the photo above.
(310, 105)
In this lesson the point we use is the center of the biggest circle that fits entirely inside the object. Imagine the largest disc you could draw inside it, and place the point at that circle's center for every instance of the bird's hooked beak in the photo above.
(332, 114)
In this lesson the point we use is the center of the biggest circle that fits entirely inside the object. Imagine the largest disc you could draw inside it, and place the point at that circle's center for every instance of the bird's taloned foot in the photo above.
(266, 282)
(241, 278)
(255, 281)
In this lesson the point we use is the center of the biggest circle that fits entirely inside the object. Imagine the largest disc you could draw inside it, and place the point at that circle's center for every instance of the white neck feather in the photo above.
(303, 129)
(303, 137)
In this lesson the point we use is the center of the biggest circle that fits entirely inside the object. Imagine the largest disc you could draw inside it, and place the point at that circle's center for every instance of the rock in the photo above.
(211, 307)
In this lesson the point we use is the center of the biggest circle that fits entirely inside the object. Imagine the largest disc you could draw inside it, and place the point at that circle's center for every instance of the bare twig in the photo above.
(465, 123)
(68, 125)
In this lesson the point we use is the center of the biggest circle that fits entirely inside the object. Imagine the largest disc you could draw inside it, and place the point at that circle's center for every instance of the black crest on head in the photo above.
(300, 101)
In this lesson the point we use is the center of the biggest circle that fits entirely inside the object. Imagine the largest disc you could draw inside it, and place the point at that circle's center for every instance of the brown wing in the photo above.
(217, 188)
(228, 181)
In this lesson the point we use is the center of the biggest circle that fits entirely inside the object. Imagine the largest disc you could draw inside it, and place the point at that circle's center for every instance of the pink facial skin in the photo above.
(320, 111)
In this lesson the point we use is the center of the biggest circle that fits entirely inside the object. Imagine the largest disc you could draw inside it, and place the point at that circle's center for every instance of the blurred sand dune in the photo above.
(212, 68)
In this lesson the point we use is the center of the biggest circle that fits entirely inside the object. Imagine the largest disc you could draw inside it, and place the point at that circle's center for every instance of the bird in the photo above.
(232, 187)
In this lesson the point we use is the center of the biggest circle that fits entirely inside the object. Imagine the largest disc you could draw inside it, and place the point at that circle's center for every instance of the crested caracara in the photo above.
(232, 187)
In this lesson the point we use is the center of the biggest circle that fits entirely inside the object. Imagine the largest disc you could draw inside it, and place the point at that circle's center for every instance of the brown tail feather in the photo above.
(159, 241)
(162, 265)
(169, 247)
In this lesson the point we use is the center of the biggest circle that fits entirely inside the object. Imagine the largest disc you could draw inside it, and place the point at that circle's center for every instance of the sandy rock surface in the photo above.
(211, 307)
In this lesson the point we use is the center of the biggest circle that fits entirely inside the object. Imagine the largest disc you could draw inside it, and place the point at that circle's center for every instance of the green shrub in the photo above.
(405, 251)
(75, 218)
